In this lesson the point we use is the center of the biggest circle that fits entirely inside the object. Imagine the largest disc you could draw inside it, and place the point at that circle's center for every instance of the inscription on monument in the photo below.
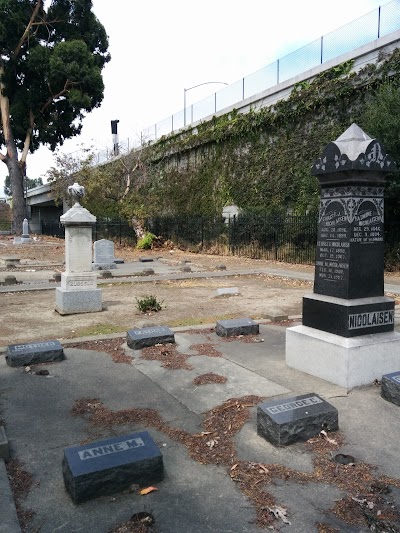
(81, 283)
(350, 216)
(370, 320)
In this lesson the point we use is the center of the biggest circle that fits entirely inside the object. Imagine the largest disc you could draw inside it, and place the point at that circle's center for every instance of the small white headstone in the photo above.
(103, 255)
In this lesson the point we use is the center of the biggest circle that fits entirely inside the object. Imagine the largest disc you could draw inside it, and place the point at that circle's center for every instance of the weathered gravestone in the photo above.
(140, 338)
(289, 420)
(110, 466)
(78, 292)
(348, 307)
(25, 232)
(34, 353)
(390, 387)
(237, 326)
(103, 255)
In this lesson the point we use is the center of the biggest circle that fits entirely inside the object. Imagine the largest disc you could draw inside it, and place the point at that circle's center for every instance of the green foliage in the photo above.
(148, 304)
(28, 183)
(259, 160)
(146, 242)
(380, 120)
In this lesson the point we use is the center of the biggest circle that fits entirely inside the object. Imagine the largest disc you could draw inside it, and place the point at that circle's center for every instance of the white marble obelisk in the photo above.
(78, 292)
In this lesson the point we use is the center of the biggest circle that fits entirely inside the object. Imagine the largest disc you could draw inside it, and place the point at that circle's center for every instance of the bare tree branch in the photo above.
(25, 35)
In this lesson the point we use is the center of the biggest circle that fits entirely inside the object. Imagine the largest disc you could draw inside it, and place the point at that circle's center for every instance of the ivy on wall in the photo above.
(259, 160)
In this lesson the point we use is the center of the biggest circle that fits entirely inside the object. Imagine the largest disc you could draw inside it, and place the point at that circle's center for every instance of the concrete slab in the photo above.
(199, 399)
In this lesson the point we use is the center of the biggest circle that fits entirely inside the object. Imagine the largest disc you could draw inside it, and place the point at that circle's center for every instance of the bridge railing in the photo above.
(363, 30)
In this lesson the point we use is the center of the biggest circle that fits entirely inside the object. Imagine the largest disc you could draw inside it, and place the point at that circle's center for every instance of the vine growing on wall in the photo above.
(261, 159)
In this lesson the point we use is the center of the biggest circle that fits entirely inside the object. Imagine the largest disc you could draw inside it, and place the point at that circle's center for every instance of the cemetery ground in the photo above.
(197, 398)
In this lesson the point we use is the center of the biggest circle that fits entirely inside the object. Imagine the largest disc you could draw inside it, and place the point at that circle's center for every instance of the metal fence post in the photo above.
(322, 48)
(379, 21)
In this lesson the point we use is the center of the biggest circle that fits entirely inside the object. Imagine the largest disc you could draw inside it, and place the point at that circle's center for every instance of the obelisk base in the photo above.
(347, 362)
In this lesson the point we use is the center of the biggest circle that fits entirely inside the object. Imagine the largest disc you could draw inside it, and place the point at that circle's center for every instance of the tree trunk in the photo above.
(17, 187)
(138, 228)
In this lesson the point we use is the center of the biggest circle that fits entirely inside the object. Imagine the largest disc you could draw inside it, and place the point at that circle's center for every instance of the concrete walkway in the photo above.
(193, 497)
(38, 279)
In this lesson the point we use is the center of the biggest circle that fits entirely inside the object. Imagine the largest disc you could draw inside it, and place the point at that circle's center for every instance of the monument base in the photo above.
(347, 362)
(70, 302)
(103, 266)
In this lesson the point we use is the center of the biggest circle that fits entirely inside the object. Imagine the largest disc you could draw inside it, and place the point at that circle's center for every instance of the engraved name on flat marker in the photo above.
(92, 453)
(291, 406)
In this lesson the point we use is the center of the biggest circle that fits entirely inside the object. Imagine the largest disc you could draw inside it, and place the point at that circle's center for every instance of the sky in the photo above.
(158, 48)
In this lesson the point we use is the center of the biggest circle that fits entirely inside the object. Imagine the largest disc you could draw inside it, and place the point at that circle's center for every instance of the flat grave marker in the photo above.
(288, 420)
(237, 326)
(227, 291)
(111, 465)
(141, 338)
(390, 387)
(34, 352)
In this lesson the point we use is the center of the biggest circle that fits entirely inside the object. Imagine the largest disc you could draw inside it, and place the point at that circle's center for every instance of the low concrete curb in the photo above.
(8, 514)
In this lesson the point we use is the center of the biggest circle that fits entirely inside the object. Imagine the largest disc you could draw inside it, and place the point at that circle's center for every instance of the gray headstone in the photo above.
(237, 326)
(34, 353)
(140, 338)
(103, 255)
(110, 466)
(146, 259)
(10, 280)
(390, 388)
(299, 418)
(148, 272)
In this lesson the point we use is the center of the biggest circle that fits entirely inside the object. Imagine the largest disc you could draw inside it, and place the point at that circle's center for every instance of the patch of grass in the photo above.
(99, 329)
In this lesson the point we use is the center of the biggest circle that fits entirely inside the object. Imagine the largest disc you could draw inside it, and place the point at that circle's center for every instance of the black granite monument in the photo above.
(348, 297)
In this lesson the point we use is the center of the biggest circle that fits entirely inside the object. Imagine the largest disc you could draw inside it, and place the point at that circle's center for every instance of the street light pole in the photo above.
(194, 87)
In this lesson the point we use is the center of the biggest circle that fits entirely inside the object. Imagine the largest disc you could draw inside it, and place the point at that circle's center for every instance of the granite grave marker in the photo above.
(390, 387)
(237, 326)
(34, 353)
(285, 421)
(141, 338)
(110, 466)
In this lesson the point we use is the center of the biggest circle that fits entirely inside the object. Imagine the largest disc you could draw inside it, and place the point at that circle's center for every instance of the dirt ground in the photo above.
(30, 315)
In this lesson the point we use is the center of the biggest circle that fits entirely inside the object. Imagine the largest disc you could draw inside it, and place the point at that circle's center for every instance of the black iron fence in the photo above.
(119, 231)
(291, 239)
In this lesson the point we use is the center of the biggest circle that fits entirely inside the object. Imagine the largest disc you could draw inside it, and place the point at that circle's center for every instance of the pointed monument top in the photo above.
(353, 133)
(353, 150)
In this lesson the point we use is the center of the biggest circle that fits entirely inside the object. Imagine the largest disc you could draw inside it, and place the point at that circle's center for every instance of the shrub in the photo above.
(146, 242)
(148, 303)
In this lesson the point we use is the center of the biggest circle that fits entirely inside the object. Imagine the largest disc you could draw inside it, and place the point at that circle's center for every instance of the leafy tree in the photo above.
(113, 190)
(50, 77)
(381, 120)
(28, 183)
